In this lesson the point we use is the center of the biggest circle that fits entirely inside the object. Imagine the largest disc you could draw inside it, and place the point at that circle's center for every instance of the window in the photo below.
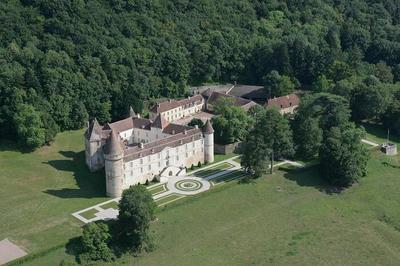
(141, 161)
(141, 169)
(159, 164)
(131, 164)
(187, 155)
(131, 173)
(177, 158)
(149, 167)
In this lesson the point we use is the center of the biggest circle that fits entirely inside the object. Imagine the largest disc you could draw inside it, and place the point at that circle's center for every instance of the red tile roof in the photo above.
(284, 101)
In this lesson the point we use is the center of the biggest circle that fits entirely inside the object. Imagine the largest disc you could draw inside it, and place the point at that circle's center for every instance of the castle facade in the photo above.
(136, 150)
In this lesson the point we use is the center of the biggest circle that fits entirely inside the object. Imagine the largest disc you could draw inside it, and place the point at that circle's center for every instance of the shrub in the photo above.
(95, 242)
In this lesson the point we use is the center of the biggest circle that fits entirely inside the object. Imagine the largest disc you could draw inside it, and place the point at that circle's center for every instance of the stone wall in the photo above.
(228, 148)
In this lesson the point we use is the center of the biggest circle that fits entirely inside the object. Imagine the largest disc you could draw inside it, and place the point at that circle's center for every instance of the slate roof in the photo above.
(241, 102)
(113, 145)
(160, 122)
(207, 128)
(251, 92)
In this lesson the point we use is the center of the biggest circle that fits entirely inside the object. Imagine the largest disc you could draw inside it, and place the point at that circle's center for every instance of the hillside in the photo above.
(64, 61)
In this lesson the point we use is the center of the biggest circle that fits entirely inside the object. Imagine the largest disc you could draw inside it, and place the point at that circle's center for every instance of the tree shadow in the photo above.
(9, 145)
(389, 164)
(310, 177)
(90, 185)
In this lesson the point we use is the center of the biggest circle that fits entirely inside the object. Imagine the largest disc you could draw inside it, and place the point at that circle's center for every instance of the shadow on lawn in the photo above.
(90, 184)
(310, 177)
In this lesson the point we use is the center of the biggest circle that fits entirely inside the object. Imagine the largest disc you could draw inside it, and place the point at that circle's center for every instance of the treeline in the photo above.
(64, 61)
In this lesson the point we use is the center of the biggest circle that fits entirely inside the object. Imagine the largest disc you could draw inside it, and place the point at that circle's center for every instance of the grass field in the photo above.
(40, 190)
(287, 218)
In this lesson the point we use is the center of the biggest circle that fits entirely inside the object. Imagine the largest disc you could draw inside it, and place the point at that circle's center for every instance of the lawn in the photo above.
(377, 134)
(40, 190)
(213, 170)
(217, 158)
(288, 218)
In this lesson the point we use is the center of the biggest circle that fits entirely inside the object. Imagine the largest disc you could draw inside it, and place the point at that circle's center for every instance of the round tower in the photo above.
(113, 155)
(208, 132)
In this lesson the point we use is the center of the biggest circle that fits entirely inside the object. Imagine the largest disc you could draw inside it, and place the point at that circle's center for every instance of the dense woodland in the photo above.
(64, 61)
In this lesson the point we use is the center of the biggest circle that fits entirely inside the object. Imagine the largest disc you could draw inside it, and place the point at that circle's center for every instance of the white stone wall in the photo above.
(114, 175)
(181, 112)
(209, 147)
(138, 135)
(142, 169)
(94, 155)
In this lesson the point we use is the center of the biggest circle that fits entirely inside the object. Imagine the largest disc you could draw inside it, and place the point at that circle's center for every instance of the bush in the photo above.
(136, 210)
(95, 242)
(199, 164)
(192, 167)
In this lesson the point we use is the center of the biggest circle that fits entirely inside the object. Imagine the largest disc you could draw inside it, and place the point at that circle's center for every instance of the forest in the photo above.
(65, 61)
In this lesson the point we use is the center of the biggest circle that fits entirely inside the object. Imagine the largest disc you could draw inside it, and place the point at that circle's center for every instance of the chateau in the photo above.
(136, 150)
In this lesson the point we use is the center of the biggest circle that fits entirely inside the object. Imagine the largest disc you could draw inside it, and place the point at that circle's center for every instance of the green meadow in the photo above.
(290, 217)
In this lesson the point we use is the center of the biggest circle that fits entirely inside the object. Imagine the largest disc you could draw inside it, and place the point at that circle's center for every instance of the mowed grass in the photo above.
(213, 170)
(39, 191)
(89, 214)
(229, 176)
(157, 189)
(286, 218)
(110, 205)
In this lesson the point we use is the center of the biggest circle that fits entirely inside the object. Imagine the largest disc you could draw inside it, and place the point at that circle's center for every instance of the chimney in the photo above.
(169, 100)
(196, 126)
(188, 97)
(173, 132)
(138, 116)
(184, 131)
(152, 150)
(158, 104)
(141, 145)
(142, 126)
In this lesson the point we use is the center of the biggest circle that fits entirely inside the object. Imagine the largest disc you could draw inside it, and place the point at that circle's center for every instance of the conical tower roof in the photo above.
(94, 131)
(160, 122)
(113, 145)
(131, 112)
(207, 128)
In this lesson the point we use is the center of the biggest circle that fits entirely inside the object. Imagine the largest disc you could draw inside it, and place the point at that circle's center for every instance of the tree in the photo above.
(322, 84)
(95, 242)
(231, 123)
(136, 211)
(343, 158)
(270, 138)
(196, 121)
(391, 118)
(278, 85)
(317, 114)
(309, 135)
(370, 99)
(29, 126)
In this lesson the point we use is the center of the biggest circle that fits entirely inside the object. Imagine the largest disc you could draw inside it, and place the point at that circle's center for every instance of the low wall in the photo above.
(228, 148)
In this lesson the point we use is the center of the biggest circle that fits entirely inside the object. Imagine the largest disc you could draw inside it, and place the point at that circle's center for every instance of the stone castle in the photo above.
(136, 150)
